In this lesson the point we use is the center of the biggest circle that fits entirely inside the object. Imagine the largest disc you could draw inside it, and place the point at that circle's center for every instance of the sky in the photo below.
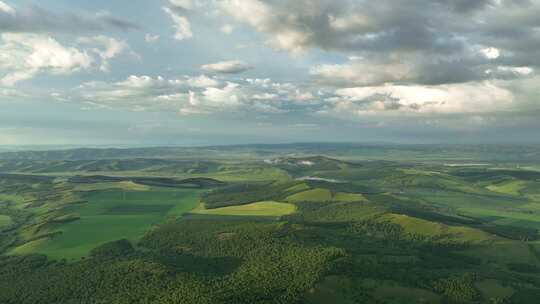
(208, 72)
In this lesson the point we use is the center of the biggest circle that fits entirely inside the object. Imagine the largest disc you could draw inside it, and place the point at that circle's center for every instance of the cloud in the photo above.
(202, 81)
(149, 38)
(354, 25)
(359, 72)
(179, 11)
(227, 67)
(24, 56)
(106, 48)
(10, 93)
(35, 19)
(417, 41)
(6, 9)
(491, 53)
(227, 29)
(195, 95)
(183, 4)
(181, 24)
(484, 97)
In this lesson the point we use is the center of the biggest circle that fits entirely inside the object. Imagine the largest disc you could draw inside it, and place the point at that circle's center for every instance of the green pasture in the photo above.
(516, 217)
(125, 185)
(314, 195)
(273, 209)
(111, 215)
(420, 227)
(512, 187)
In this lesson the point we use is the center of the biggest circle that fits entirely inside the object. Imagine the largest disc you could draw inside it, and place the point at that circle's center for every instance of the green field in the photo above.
(513, 187)
(315, 195)
(111, 215)
(127, 186)
(273, 209)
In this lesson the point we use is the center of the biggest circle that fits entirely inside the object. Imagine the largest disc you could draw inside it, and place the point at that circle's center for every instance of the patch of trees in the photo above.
(331, 212)
(246, 193)
(151, 181)
(523, 268)
(458, 289)
(184, 262)
(512, 232)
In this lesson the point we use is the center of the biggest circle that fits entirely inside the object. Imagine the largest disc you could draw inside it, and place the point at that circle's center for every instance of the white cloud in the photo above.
(268, 19)
(192, 95)
(347, 23)
(227, 29)
(181, 24)
(523, 71)
(173, 97)
(202, 81)
(358, 72)
(185, 4)
(5, 8)
(142, 82)
(181, 11)
(227, 67)
(491, 53)
(455, 98)
(149, 38)
(230, 95)
(106, 48)
(11, 93)
(25, 55)
(265, 96)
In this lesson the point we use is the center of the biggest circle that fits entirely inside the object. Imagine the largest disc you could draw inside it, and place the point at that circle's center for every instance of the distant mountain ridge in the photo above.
(516, 153)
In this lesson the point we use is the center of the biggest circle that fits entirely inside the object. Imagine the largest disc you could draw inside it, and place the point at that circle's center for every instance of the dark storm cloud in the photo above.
(34, 19)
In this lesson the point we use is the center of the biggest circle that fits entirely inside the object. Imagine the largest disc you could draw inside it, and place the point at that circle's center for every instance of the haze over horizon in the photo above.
(215, 72)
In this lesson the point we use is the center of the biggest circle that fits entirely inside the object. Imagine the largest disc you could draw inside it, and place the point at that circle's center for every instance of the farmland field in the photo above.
(110, 215)
(255, 209)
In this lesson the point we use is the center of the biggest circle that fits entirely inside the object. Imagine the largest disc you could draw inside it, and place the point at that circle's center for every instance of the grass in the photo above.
(416, 226)
(125, 185)
(349, 197)
(111, 215)
(503, 252)
(5, 221)
(273, 209)
(314, 195)
(516, 217)
(512, 187)
(297, 188)
(325, 195)
(133, 209)
(393, 293)
(493, 289)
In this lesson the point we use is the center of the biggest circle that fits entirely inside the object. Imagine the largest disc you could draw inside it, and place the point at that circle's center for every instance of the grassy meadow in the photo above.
(272, 209)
